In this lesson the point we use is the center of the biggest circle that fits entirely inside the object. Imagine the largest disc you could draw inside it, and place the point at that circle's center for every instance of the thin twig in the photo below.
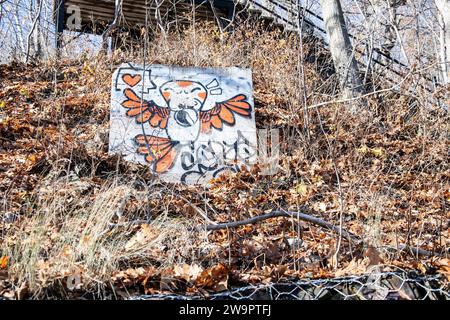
(313, 220)
(198, 210)
(417, 251)
(390, 89)
(128, 224)
(287, 214)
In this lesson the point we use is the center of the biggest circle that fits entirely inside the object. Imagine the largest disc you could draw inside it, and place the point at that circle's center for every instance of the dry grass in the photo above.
(384, 171)
(72, 232)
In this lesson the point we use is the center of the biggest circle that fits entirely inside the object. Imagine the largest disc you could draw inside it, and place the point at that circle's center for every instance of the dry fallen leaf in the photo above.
(373, 255)
(215, 278)
(301, 189)
(443, 266)
(188, 272)
(356, 266)
(142, 237)
(4, 262)
(3, 275)
(9, 294)
(377, 152)
(22, 291)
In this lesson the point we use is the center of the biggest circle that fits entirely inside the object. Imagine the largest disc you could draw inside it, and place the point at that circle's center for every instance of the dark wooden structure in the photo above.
(104, 16)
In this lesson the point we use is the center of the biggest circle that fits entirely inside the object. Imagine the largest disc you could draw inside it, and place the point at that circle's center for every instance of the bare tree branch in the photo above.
(282, 213)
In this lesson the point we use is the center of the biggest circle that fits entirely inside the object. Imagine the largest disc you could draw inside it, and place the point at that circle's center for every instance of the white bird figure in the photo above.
(182, 118)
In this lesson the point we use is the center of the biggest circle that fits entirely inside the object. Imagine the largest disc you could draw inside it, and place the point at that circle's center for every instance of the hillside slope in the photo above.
(69, 208)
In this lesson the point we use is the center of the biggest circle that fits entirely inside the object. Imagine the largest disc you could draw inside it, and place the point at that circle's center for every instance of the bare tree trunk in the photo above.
(444, 10)
(33, 28)
(113, 26)
(341, 49)
(38, 54)
(19, 30)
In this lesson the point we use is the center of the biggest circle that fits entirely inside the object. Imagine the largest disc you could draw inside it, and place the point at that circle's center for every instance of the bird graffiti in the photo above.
(183, 117)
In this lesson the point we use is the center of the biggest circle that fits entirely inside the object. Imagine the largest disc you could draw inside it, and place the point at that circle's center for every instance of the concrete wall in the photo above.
(187, 124)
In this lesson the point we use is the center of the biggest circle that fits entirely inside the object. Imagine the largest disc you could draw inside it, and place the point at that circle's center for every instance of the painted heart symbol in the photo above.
(131, 80)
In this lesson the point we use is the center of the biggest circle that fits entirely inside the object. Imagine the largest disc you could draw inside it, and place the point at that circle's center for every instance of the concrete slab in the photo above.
(188, 124)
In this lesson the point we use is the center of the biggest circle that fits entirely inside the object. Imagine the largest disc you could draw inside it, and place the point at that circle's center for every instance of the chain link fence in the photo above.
(374, 286)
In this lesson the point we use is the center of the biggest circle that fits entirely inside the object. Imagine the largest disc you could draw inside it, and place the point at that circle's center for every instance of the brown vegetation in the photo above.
(68, 206)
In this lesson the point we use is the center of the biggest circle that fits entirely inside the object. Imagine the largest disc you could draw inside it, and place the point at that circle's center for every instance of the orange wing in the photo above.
(224, 112)
(145, 111)
(158, 151)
